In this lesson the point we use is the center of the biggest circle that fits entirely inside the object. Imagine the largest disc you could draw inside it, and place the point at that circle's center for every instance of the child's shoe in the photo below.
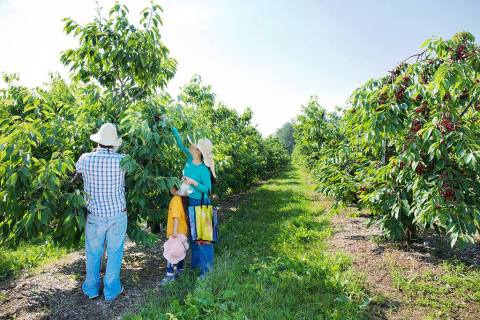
(167, 279)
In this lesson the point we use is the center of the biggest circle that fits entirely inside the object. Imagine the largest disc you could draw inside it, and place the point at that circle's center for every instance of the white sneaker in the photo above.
(167, 279)
(94, 296)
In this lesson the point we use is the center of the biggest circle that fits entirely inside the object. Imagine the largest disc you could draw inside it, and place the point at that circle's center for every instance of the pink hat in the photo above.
(175, 249)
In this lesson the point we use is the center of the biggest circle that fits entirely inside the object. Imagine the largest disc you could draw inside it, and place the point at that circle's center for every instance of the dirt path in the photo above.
(378, 261)
(54, 291)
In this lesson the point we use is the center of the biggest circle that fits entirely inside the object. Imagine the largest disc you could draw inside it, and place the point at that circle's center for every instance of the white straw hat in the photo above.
(206, 148)
(107, 136)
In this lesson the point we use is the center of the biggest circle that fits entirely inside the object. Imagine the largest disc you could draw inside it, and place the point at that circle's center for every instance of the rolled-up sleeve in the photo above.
(79, 166)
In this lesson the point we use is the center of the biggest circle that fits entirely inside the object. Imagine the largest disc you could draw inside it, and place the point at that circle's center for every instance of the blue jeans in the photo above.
(202, 254)
(97, 231)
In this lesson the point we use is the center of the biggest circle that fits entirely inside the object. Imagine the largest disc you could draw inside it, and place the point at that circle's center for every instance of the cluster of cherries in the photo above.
(447, 192)
(447, 125)
(416, 126)
(447, 96)
(420, 169)
(400, 94)
(423, 108)
(425, 77)
(460, 53)
(383, 98)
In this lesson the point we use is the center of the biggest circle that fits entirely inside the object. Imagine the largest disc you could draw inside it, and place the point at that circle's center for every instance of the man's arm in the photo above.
(76, 176)
(79, 166)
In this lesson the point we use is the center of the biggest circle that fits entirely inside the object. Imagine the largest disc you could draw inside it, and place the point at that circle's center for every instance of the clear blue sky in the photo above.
(269, 55)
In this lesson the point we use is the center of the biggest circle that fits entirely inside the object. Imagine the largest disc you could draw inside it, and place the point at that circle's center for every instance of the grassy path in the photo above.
(281, 256)
(271, 264)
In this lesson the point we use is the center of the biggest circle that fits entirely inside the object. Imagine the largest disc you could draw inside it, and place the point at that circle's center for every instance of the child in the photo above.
(177, 228)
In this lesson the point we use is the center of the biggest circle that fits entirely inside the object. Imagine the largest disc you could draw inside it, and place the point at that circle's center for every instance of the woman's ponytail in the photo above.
(212, 177)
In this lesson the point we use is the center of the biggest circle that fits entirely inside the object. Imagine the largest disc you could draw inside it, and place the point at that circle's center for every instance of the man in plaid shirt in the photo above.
(104, 184)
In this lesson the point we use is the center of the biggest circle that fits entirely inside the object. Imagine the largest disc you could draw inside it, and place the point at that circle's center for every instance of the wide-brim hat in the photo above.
(206, 148)
(107, 136)
(175, 249)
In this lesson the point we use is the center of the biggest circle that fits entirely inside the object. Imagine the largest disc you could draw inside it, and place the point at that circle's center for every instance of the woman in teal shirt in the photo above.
(199, 172)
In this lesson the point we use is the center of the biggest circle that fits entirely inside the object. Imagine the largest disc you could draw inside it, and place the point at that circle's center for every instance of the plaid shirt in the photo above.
(104, 182)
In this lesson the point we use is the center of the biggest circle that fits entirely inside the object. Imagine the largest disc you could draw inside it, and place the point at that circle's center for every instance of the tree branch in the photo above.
(150, 17)
(142, 91)
(467, 107)
(418, 55)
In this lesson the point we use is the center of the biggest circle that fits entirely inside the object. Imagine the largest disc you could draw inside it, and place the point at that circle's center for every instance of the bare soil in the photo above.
(375, 259)
(54, 292)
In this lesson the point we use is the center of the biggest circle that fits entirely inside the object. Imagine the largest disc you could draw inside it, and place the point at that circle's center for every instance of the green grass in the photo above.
(271, 263)
(29, 255)
(445, 292)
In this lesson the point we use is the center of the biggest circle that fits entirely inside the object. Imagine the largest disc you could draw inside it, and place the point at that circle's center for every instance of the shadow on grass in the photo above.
(55, 293)
(270, 264)
(435, 249)
(430, 247)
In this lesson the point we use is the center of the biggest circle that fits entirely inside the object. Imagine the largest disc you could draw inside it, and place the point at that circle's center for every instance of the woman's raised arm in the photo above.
(178, 139)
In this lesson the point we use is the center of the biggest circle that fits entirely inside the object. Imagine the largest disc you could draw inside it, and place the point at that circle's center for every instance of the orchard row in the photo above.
(407, 145)
(118, 74)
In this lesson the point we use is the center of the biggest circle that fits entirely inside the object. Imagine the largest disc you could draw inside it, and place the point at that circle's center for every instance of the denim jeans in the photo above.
(97, 231)
(171, 266)
(202, 254)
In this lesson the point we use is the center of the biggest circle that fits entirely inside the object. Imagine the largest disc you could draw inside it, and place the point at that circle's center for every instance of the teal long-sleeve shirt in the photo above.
(197, 172)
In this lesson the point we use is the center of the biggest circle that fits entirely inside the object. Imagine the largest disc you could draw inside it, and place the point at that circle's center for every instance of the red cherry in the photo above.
(420, 169)
(416, 126)
(399, 95)
(447, 96)
(464, 94)
(448, 193)
(448, 125)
